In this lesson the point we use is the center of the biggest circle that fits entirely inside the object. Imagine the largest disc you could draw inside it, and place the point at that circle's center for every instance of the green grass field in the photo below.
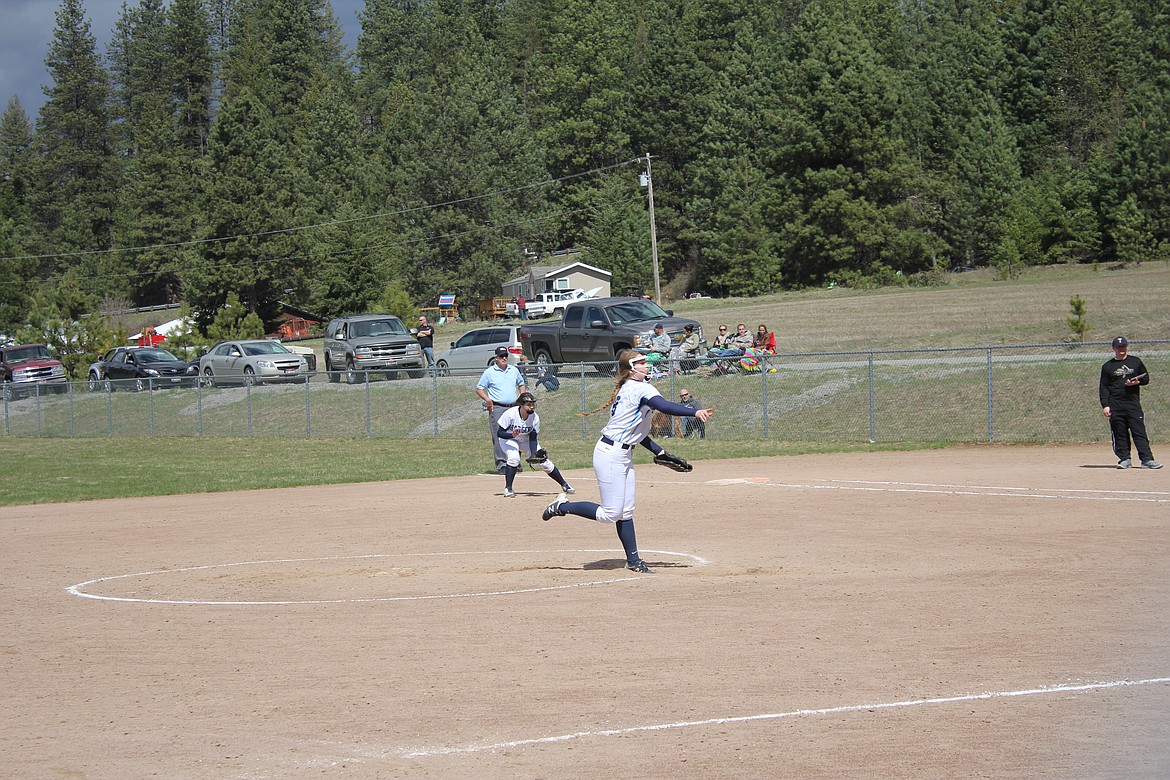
(87, 446)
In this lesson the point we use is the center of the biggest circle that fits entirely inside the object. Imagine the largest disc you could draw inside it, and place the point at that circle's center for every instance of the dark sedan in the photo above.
(140, 368)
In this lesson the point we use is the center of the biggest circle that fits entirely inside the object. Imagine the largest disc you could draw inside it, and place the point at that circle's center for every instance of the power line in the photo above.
(333, 223)
(338, 253)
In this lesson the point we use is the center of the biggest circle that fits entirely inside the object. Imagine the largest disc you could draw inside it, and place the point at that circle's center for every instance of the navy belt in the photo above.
(607, 440)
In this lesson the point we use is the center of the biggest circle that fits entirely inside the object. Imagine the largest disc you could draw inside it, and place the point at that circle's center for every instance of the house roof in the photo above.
(578, 263)
(545, 271)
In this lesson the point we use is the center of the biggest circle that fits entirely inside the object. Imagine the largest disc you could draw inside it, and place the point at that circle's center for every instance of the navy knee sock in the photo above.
(625, 532)
(556, 474)
(580, 509)
(509, 475)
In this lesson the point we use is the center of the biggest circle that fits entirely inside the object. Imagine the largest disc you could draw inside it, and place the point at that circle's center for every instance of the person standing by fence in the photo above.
(426, 341)
(1121, 403)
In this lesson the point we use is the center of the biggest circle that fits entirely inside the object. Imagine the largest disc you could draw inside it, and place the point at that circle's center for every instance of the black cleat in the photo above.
(554, 509)
(640, 567)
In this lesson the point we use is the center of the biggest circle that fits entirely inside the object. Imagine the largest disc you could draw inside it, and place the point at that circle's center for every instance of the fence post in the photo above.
(40, 425)
(6, 430)
(369, 429)
(70, 410)
(110, 409)
(308, 410)
(150, 407)
(199, 406)
(990, 413)
(584, 419)
(764, 393)
(248, 389)
(435, 396)
(872, 411)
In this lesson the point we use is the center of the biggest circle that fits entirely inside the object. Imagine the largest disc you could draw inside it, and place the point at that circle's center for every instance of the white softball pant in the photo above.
(614, 467)
(511, 449)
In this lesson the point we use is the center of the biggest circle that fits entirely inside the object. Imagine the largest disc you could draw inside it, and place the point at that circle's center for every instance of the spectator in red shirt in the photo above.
(765, 340)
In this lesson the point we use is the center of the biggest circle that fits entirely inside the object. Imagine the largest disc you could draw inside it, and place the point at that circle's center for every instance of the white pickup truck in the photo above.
(551, 304)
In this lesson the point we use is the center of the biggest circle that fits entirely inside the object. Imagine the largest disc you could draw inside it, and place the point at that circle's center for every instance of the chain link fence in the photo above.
(1022, 393)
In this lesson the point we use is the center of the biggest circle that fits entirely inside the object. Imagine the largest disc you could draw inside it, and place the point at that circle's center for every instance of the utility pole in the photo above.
(653, 231)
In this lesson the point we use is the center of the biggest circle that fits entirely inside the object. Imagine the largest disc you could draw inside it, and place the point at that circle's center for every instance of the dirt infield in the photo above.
(971, 612)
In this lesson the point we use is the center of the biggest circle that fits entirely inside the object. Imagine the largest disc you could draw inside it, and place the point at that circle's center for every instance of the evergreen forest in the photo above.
(237, 152)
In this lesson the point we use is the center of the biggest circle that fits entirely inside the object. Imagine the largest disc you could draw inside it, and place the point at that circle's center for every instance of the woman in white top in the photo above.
(631, 407)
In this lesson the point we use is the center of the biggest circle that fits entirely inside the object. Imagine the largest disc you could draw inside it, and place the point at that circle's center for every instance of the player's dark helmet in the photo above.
(526, 398)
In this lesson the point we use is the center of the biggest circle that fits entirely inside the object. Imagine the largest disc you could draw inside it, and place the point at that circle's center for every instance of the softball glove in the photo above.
(664, 458)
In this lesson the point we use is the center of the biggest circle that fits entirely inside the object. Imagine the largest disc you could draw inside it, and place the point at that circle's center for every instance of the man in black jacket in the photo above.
(1120, 393)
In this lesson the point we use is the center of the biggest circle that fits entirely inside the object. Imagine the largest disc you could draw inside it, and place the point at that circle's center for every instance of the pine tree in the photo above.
(246, 207)
(139, 65)
(841, 158)
(461, 136)
(155, 207)
(16, 142)
(17, 268)
(189, 47)
(339, 272)
(732, 190)
(1140, 172)
(76, 170)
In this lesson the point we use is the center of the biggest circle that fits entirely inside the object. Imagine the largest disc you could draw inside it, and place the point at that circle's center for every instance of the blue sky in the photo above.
(27, 29)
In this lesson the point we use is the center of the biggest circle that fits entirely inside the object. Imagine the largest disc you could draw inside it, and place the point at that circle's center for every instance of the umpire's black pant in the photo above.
(494, 423)
(1126, 422)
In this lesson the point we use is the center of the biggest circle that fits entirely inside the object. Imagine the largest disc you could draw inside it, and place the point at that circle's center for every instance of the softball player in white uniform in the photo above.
(631, 409)
(519, 428)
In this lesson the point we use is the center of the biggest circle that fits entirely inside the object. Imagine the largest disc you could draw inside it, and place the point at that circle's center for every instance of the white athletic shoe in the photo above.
(568, 489)
(509, 493)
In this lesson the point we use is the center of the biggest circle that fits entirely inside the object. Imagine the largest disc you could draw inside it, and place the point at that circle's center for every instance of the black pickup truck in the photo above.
(596, 330)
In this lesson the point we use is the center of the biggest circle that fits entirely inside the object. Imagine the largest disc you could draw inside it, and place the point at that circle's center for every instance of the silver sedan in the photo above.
(252, 362)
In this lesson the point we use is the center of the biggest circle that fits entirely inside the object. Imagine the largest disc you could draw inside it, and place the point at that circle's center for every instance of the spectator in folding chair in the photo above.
(765, 340)
(735, 347)
(686, 354)
(755, 357)
(722, 340)
(658, 352)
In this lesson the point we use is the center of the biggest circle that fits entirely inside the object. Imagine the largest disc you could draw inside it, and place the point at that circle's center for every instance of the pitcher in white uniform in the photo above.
(631, 407)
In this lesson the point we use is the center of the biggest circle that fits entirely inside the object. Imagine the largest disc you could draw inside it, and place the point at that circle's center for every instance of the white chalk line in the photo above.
(79, 588)
(448, 751)
(1070, 494)
(1002, 487)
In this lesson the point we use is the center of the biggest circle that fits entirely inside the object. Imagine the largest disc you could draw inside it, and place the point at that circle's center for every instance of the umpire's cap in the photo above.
(1120, 342)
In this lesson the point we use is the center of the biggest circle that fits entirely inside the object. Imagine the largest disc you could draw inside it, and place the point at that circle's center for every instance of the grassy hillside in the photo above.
(973, 309)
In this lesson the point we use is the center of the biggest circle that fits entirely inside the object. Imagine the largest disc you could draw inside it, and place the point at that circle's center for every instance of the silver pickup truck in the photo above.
(370, 342)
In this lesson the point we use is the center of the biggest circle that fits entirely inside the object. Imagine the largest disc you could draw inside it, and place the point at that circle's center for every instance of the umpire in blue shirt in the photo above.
(499, 387)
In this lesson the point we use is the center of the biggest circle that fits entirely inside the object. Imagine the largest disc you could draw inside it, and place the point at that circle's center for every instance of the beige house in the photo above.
(569, 274)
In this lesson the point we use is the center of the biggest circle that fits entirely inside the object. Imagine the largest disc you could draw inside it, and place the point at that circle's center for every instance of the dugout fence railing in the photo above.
(1019, 393)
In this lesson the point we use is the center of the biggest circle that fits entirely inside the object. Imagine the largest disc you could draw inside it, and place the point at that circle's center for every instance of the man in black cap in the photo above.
(499, 387)
(1121, 403)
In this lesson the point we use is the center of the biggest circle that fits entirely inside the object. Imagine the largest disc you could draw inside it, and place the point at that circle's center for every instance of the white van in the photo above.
(476, 349)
